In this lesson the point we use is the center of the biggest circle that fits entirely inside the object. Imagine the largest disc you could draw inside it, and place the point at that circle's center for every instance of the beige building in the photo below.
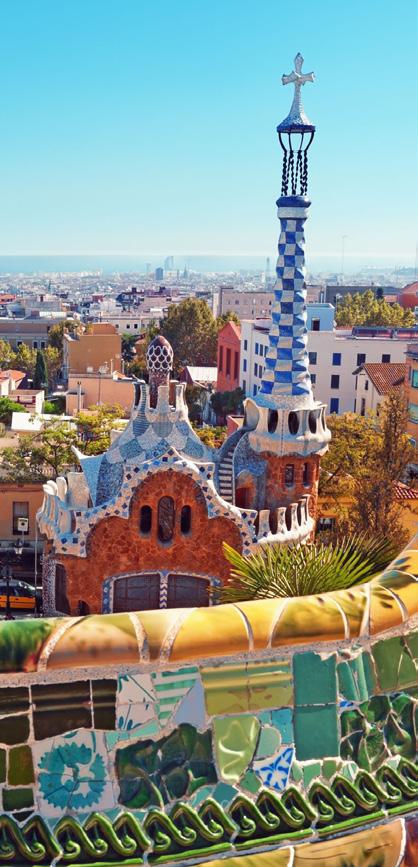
(90, 389)
(100, 347)
(19, 504)
(246, 305)
(32, 332)
(374, 381)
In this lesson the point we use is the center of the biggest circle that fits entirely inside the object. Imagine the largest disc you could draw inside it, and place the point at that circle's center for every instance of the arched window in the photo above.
(165, 519)
(312, 421)
(293, 422)
(273, 418)
(145, 519)
(61, 602)
(186, 519)
(289, 475)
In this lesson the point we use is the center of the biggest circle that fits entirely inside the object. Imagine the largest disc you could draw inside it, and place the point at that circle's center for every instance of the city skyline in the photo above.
(151, 132)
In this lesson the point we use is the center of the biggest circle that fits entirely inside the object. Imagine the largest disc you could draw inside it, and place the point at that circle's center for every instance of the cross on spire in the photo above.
(297, 117)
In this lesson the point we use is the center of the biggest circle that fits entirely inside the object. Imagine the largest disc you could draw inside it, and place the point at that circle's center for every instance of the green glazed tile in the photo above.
(412, 642)
(369, 672)
(296, 772)
(20, 766)
(269, 742)
(14, 729)
(2, 766)
(250, 782)
(315, 678)
(17, 799)
(346, 683)
(283, 720)
(316, 732)
(394, 665)
(311, 771)
(235, 744)
(330, 767)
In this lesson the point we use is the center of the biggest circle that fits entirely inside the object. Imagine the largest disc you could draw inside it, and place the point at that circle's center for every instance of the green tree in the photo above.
(280, 570)
(42, 455)
(40, 379)
(212, 437)
(191, 329)
(7, 407)
(94, 427)
(364, 308)
(223, 318)
(6, 355)
(56, 333)
(53, 360)
(226, 403)
(24, 358)
(376, 509)
(366, 456)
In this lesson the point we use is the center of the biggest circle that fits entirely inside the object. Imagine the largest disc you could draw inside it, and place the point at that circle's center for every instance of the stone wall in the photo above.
(187, 736)
(119, 541)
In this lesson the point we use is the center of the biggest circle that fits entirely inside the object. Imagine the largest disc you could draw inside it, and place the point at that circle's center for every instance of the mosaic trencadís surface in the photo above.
(264, 733)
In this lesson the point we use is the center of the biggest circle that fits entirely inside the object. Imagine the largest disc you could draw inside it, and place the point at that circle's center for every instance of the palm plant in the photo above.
(312, 568)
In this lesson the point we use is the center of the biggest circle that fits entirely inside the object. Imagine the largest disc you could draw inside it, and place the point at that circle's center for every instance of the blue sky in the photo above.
(131, 126)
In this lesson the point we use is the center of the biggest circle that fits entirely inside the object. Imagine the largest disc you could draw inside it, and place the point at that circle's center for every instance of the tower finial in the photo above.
(296, 124)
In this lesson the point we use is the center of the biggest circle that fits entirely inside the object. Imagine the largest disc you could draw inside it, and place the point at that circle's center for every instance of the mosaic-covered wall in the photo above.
(120, 744)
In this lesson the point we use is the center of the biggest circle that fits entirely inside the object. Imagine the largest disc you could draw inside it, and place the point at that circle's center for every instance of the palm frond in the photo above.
(314, 568)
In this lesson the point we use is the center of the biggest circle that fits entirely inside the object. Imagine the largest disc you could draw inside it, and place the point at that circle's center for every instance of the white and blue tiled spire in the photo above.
(286, 374)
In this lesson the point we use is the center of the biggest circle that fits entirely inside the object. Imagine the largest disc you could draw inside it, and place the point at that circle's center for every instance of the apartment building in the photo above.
(98, 347)
(31, 331)
(333, 357)
(374, 381)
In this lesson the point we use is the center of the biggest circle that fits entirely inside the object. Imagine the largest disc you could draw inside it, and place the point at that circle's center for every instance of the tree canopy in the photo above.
(191, 329)
(48, 453)
(7, 407)
(367, 455)
(56, 333)
(364, 308)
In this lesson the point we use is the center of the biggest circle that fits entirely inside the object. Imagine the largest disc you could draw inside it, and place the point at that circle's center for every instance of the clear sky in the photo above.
(148, 126)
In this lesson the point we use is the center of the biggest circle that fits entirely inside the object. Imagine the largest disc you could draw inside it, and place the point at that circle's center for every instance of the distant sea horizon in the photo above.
(131, 263)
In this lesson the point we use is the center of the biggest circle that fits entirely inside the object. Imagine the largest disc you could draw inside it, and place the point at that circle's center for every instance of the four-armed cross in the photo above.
(298, 78)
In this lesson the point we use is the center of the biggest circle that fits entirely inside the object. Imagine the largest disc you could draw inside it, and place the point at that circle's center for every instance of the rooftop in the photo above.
(386, 377)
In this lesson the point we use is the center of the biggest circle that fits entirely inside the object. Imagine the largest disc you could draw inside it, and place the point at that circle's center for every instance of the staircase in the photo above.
(226, 476)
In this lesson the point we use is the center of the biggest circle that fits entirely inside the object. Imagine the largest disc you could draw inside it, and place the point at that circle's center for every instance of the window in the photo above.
(137, 593)
(186, 591)
(256, 369)
(61, 602)
(366, 385)
(254, 390)
(313, 357)
(128, 326)
(273, 418)
(385, 358)
(316, 324)
(256, 348)
(236, 365)
(335, 380)
(228, 362)
(20, 510)
(136, 325)
(35, 344)
(336, 359)
(313, 378)
(361, 358)
(266, 349)
(325, 524)
(43, 344)
(165, 519)
(186, 519)
(244, 365)
(334, 405)
(244, 386)
(363, 406)
(245, 345)
(415, 379)
(221, 358)
(145, 520)
(289, 475)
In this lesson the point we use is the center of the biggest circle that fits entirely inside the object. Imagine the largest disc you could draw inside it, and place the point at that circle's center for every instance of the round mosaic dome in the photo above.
(159, 354)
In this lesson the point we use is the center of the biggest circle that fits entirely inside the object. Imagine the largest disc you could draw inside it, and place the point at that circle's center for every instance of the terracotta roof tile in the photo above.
(386, 377)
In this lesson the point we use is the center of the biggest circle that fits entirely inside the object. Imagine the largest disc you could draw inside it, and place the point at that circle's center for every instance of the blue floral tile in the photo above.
(274, 772)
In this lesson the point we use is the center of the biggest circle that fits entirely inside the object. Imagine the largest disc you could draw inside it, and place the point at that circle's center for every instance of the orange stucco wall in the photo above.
(116, 546)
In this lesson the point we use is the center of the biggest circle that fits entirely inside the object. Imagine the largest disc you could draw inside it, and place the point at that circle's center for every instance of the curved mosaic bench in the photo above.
(249, 734)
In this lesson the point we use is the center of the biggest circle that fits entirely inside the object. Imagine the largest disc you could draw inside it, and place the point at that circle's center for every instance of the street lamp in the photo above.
(7, 574)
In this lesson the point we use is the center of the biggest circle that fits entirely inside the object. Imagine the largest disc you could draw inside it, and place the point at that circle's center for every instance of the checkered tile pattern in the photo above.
(286, 366)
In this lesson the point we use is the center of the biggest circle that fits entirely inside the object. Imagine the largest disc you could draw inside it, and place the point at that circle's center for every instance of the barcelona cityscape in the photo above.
(209, 434)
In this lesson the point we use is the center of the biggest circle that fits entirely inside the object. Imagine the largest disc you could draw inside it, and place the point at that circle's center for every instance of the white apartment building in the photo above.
(333, 358)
